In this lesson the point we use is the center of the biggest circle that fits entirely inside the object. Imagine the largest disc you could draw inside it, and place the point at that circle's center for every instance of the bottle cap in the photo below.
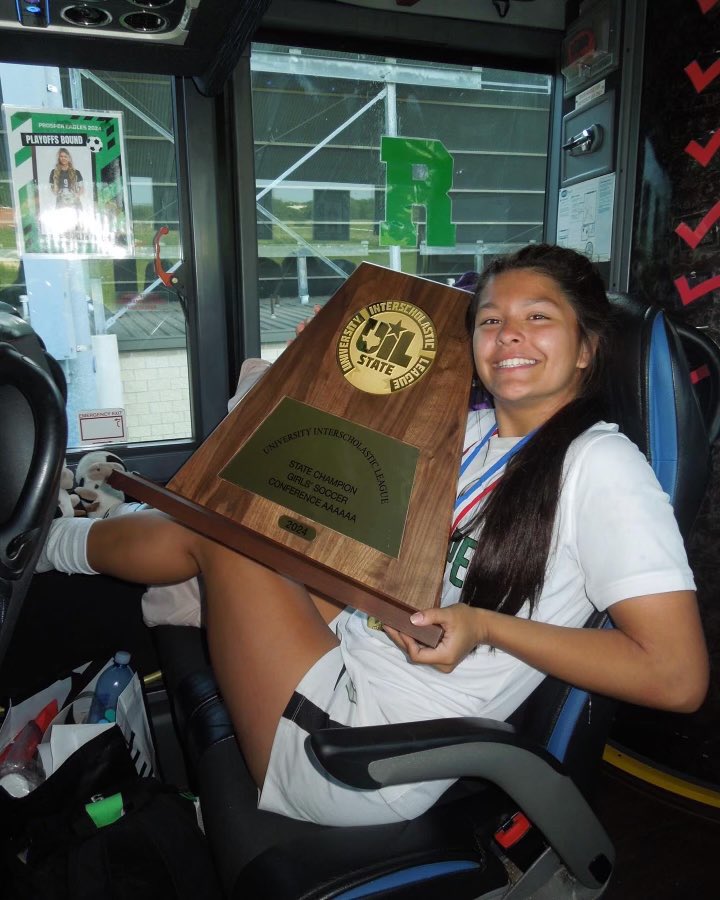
(122, 657)
(16, 784)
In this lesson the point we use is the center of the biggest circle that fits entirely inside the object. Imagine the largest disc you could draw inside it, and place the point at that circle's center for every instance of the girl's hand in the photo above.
(463, 629)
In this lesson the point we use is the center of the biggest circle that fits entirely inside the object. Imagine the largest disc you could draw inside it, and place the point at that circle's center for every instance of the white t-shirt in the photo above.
(615, 537)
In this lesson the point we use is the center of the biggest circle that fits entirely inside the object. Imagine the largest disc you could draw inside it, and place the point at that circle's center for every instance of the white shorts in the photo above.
(295, 784)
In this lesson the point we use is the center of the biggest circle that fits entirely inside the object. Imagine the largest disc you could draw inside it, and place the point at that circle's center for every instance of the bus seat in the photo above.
(671, 416)
(541, 765)
(33, 441)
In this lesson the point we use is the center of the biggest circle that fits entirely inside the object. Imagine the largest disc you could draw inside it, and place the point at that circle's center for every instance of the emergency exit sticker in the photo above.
(102, 426)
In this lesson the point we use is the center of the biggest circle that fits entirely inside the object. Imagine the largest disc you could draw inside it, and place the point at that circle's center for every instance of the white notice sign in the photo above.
(102, 426)
(585, 217)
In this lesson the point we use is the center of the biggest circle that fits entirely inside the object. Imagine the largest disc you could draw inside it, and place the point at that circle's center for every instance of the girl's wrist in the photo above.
(492, 634)
(482, 626)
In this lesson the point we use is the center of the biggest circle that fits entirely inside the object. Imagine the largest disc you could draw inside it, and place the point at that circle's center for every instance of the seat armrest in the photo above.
(371, 756)
(379, 756)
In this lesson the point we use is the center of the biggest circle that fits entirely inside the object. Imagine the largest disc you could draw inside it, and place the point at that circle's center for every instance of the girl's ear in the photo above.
(588, 348)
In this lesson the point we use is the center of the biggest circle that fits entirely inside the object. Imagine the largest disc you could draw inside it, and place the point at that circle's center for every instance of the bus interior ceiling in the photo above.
(279, 213)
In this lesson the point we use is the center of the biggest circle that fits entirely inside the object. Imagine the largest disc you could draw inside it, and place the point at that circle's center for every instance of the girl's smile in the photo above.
(514, 363)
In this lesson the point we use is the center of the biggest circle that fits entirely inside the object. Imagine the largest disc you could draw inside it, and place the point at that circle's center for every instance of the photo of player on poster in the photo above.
(65, 206)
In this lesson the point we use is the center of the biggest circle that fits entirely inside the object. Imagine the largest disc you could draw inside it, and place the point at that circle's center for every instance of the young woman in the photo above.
(66, 182)
(557, 513)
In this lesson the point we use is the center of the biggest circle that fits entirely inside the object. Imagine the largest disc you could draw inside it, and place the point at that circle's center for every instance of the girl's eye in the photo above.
(488, 321)
(538, 316)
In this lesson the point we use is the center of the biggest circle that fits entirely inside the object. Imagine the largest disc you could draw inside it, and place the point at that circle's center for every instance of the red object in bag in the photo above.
(23, 746)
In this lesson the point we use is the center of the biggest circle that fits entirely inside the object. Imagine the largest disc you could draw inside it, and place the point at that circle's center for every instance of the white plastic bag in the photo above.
(67, 732)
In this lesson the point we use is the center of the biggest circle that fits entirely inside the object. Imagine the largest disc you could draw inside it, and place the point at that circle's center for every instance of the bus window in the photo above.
(426, 168)
(89, 179)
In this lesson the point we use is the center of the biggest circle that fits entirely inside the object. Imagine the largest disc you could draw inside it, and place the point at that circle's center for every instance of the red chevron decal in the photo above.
(690, 295)
(706, 5)
(702, 78)
(701, 154)
(692, 237)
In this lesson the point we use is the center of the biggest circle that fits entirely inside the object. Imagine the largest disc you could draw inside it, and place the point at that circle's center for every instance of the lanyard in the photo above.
(479, 489)
(471, 456)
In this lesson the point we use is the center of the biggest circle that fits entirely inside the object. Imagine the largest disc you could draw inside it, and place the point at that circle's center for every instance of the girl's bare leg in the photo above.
(146, 547)
(264, 631)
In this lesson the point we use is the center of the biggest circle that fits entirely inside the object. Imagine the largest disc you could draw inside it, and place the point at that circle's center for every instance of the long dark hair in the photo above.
(508, 568)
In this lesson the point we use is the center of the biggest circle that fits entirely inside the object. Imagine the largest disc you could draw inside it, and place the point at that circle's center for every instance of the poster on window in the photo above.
(69, 182)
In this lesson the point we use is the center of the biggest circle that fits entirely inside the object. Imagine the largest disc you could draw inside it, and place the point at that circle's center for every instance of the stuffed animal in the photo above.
(97, 498)
(68, 500)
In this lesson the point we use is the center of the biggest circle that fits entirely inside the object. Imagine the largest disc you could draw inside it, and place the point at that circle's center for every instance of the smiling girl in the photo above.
(557, 514)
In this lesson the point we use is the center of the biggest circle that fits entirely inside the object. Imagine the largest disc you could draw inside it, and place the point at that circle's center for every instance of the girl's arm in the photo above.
(655, 656)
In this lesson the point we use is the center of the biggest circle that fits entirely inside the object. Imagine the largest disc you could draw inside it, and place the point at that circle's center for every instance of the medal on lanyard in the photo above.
(470, 498)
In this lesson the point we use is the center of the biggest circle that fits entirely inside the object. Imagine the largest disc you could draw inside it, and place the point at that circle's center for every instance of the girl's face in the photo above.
(527, 345)
(64, 159)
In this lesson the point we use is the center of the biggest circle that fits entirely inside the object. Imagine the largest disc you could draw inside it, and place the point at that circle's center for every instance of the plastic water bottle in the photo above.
(110, 685)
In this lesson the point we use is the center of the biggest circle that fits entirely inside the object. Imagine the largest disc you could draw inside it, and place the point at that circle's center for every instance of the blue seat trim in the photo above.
(663, 441)
(408, 876)
(565, 725)
(568, 718)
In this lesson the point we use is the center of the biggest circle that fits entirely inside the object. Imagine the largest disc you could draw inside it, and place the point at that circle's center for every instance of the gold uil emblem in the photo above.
(386, 347)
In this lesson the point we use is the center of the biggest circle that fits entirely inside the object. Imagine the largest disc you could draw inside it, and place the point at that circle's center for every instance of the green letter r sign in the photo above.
(419, 173)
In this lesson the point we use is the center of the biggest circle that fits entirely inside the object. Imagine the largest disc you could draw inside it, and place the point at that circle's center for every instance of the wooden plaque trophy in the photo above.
(339, 467)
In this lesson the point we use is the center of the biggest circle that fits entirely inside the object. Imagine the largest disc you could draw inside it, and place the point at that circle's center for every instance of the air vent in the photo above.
(166, 21)
(86, 16)
(144, 22)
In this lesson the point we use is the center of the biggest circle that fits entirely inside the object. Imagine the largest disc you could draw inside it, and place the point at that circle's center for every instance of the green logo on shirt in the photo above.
(459, 554)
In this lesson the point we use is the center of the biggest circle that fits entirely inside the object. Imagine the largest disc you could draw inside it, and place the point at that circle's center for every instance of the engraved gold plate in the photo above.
(337, 473)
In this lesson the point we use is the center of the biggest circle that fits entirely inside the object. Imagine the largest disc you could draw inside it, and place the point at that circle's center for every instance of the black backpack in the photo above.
(152, 851)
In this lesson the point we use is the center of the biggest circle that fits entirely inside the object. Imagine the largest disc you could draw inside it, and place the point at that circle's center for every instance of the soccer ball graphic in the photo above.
(95, 144)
